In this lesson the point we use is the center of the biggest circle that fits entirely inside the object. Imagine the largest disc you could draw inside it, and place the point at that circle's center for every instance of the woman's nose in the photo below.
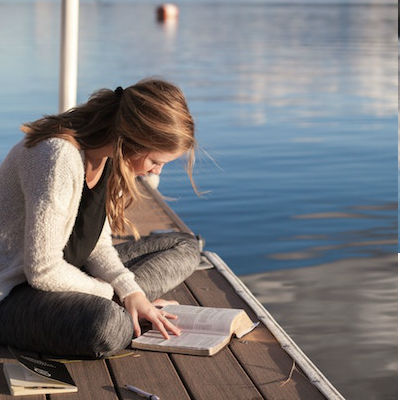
(157, 169)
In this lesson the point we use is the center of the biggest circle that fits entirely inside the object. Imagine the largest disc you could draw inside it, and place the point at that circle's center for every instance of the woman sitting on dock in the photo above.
(62, 189)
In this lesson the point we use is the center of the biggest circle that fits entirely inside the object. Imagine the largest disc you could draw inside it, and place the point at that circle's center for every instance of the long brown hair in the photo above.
(151, 115)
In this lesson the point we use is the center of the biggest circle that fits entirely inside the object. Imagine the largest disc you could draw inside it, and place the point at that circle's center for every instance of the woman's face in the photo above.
(153, 162)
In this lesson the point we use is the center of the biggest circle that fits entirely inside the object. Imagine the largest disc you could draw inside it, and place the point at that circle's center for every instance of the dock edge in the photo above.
(315, 376)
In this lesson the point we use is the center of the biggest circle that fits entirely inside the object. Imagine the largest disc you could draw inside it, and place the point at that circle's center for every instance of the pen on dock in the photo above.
(142, 393)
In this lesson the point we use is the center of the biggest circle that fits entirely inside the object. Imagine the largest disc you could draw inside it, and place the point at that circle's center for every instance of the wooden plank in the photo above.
(170, 214)
(148, 216)
(217, 377)
(266, 363)
(93, 381)
(151, 371)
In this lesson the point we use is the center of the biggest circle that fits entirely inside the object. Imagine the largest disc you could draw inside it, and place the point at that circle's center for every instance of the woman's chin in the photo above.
(153, 180)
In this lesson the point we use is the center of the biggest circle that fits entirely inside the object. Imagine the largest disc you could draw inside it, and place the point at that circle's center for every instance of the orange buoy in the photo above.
(167, 11)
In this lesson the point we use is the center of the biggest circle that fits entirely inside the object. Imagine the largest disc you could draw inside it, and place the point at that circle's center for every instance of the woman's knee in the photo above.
(94, 327)
(190, 251)
(178, 261)
(110, 331)
(68, 324)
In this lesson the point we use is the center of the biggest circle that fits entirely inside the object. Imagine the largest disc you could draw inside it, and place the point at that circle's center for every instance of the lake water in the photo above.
(296, 113)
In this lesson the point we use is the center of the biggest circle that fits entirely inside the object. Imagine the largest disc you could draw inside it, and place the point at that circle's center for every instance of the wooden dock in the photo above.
(254, 367)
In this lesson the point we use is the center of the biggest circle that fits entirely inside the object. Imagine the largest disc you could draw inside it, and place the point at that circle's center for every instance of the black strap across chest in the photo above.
(89, 221)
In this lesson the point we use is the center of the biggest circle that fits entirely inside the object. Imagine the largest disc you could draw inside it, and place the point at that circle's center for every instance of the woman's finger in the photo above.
(160, 326)
(169, 315)
(171, 327)
(136, 325)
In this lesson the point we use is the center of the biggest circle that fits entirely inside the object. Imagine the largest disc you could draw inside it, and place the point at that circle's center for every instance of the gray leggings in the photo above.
(72, 324)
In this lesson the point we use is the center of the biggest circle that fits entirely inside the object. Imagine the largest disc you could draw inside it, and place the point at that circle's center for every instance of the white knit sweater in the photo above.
(40, 192)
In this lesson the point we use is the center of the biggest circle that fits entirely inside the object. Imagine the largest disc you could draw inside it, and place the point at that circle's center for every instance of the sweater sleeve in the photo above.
(104, 262)
(52, 184)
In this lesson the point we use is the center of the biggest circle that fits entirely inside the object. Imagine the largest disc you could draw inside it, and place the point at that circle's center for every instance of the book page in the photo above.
(190, 340)
(243, 332)
(204, 319)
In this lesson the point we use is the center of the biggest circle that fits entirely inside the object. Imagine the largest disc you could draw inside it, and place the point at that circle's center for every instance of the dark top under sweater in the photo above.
(89, 221)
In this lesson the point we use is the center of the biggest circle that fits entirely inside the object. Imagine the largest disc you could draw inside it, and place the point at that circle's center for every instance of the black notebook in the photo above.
(32, 375)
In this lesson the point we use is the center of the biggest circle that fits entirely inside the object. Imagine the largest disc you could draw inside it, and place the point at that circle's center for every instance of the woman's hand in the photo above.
(139, 306)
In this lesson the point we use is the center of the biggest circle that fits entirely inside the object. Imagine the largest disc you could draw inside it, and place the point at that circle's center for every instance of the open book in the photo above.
(35, 376)
(205, 330)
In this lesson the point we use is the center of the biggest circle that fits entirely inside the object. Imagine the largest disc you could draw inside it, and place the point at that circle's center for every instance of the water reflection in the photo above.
(379, 239)
(344, 316)
(169, 27)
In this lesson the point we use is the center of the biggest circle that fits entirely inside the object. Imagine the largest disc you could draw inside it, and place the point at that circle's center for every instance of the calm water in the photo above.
(296, 112)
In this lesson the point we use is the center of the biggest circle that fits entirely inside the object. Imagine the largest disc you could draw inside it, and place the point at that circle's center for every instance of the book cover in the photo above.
(32, 375)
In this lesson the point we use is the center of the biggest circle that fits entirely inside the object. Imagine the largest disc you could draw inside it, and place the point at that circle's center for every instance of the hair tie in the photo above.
(119, 91)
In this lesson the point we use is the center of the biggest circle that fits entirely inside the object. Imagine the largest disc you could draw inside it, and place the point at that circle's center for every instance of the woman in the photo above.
(62, 189)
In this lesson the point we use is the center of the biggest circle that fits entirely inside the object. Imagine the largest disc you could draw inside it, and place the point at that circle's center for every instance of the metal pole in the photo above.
(69, 54)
